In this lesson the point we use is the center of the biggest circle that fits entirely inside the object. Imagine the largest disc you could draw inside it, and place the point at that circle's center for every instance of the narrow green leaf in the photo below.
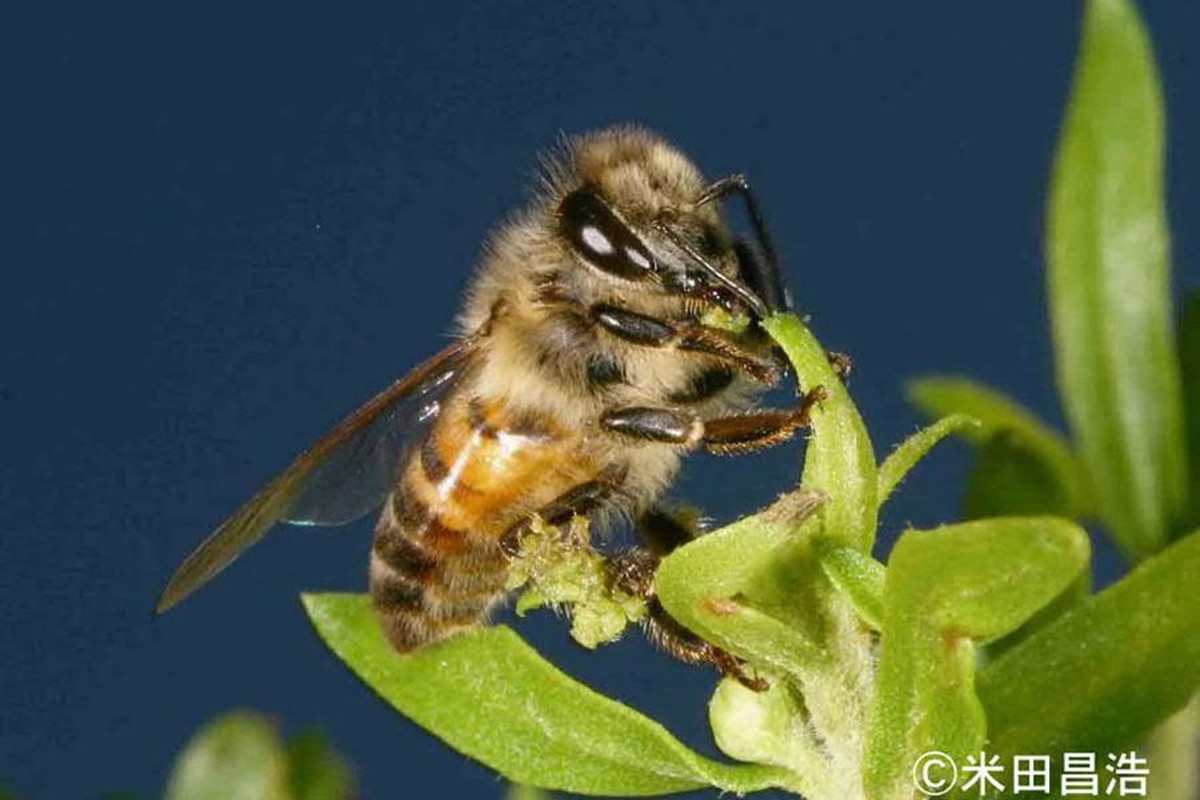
(238, 756)
(999, 415)
(915, 447)
(1106, 671)
(945, 395)
(490, 695)
(946, 591)
(1010, 476)
(1109, 282)
(839, 460)
(1189, 362)
(316, 771)
(859, 577)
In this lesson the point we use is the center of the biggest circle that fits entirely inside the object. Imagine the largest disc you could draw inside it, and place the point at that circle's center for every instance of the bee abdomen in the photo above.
(429, 581)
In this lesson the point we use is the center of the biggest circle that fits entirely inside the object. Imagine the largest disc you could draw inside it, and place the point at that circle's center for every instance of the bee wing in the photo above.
(348, 472)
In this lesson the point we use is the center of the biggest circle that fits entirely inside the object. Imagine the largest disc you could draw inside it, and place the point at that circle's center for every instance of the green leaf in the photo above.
(839, 460)
(490, 695)
(696, 584)
(999, 415)
(947, 590)
(1189, 362)
(915, 447)
(316, 771)
(859, 577)
(521, 791)
(1106, 671)
(238, 756)
(1109, 282)
(756, 590)
(1079, 591)
(1009, 476)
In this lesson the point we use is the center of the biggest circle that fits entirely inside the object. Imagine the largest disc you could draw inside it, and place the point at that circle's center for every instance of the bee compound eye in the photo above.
(601, 238)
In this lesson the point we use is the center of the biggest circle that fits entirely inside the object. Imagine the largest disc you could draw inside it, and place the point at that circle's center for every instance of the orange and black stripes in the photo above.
(436, 563)
(431, 461)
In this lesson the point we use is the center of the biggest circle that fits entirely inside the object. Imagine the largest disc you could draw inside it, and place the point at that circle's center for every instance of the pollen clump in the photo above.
(557, 567)
(721, 319)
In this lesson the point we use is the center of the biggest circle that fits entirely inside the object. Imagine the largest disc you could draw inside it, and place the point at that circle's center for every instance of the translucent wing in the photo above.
(343, 476)
(354, 476)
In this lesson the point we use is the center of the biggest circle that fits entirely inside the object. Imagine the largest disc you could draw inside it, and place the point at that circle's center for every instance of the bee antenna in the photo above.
(763, 266)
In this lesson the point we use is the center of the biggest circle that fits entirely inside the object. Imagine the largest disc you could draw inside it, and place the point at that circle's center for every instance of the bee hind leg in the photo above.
(633, 571)
(579, 500)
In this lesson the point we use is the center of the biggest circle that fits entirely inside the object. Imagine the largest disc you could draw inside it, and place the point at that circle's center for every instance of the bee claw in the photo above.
(842, 364)
(731, 666)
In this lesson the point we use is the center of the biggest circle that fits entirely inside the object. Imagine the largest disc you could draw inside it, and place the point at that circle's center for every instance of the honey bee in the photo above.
(582, 373)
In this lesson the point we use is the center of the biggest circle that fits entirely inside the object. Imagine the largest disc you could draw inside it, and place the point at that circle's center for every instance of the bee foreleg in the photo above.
(756, 430)
(579, 500)
(841, 363)
(664, 425)
(647, 331)
(719, 345)
(731, 435)
(633, 572)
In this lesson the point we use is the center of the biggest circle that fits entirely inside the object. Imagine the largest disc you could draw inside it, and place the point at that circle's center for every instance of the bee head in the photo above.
(635, 210)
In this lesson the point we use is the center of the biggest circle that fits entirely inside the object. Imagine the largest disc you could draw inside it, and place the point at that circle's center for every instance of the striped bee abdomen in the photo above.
(436, 564)
(429, 580)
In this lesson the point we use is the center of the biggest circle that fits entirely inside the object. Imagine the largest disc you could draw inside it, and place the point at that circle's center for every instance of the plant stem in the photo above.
(1174, 758)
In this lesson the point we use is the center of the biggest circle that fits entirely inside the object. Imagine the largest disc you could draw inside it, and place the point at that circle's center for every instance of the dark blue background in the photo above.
(224, 230)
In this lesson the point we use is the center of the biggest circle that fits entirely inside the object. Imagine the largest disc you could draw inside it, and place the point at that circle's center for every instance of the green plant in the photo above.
(241, 756)
(1135, 434)
(976, 636)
